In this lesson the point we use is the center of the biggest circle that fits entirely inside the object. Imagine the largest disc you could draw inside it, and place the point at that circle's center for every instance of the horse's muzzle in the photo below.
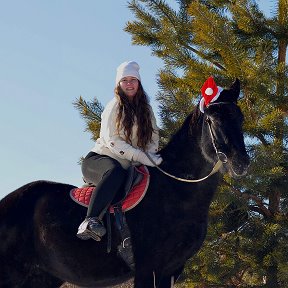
(238, 166)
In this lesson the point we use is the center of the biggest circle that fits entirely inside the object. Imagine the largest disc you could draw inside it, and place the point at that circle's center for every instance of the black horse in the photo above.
(39, 221)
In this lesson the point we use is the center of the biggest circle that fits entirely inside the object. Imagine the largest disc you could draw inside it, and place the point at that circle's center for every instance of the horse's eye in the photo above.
(208, 120)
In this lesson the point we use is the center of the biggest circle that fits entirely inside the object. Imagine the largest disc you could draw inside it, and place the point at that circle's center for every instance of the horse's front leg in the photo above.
(152, 279)
(144, 279)
(168, 281)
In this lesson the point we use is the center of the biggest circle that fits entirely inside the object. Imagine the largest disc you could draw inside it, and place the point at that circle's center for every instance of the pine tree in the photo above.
(247, 240)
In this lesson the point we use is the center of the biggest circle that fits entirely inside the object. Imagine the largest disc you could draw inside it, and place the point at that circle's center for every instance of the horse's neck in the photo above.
(183, 154)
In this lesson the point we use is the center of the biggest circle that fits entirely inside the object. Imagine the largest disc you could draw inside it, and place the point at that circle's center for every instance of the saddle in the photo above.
(135, 188)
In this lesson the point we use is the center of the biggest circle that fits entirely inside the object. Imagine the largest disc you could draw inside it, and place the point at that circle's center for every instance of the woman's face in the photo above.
(129, 86)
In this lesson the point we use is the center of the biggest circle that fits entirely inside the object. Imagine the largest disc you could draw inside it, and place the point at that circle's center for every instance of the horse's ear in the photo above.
(235, 89)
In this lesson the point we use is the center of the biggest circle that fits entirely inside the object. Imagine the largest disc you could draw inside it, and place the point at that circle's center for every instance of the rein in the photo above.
(222, 158)
(215, 169)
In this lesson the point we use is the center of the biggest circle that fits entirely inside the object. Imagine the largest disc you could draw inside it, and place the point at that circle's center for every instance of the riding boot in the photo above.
(102, 195)
(91, 227)
(96, 226)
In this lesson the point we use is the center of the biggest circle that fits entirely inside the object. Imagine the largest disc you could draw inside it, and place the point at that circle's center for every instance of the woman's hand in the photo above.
(142, 158)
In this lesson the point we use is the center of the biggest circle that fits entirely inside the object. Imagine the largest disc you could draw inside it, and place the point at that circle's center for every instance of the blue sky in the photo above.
(52, 52)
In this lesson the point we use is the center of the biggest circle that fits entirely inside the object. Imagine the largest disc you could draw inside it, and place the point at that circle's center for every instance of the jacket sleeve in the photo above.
(153, 146)
(115, 141)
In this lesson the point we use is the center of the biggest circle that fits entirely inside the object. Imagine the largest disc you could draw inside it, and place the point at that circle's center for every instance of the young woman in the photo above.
(128, 129)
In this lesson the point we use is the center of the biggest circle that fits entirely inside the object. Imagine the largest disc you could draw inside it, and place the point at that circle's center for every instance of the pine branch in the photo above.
(204, 56)
(265, 211)
(262, 139)
(91, 113)
(89, 110)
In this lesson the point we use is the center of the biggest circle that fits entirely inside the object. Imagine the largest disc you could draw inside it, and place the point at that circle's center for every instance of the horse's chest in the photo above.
(182, 241)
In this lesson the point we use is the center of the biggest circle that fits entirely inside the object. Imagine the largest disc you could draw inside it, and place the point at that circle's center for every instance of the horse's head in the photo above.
(222, 135)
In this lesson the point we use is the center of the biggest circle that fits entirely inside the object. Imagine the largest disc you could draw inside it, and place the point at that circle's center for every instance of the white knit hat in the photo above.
(128, 68)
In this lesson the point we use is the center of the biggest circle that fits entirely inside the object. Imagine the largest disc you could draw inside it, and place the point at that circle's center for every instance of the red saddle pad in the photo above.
(82, 195)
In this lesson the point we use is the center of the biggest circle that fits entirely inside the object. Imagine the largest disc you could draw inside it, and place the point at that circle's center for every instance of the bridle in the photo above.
(222, 158)
(220, 155)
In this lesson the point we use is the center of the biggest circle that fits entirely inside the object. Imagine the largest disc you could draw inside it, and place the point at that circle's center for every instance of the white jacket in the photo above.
(113, 144)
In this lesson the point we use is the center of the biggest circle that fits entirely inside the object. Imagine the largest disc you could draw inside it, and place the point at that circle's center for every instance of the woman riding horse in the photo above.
(128, 129)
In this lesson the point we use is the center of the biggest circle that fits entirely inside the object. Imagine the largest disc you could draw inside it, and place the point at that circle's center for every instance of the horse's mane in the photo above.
(186, 132)
(196, 117)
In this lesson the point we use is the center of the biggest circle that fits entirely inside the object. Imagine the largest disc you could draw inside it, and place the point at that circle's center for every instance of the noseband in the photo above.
(222, 158)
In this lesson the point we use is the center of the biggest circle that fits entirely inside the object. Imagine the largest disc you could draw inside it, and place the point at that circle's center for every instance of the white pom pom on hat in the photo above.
(210, 92)
(128, 68)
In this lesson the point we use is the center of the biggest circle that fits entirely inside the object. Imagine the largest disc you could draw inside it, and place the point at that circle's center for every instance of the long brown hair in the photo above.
(138, 109)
